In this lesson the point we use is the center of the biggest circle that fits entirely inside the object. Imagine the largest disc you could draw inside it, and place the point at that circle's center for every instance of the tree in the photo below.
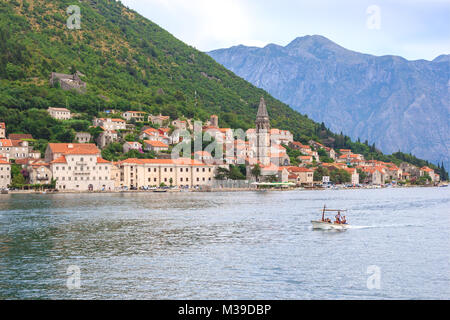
(256, 171)
(321, 172)
(18, 179)
(222, 173)
(235, 173)
(340, 176)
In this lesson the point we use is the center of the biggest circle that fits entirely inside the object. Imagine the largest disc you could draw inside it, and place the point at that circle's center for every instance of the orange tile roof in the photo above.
(297, 169)
(4, 162)
(19, 136)
(61, 159)
(5, 143)
(112, 119)
(149, 131)
(158, 144)
(101, 160)
(16, 143)
(77, 148)
(2, 125)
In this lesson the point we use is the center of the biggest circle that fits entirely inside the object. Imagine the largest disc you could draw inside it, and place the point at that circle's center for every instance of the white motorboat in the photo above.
(327, 224)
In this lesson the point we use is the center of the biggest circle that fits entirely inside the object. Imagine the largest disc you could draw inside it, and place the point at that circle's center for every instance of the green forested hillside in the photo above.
(129, 63)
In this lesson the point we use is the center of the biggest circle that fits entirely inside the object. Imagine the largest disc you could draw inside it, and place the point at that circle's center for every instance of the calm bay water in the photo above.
(252, 245)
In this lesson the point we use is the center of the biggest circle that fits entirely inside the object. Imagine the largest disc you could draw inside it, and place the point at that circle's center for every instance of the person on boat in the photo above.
(344, 220)
(338, 218)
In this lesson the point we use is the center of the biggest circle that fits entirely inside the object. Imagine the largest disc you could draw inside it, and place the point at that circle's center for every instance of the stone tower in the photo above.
(263, 134)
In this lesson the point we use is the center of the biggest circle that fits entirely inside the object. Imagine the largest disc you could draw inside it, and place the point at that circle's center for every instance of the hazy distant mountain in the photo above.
(396, 103)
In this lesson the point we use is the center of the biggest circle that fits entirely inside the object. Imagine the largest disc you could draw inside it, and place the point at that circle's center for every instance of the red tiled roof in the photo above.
(5, 143)
(2, 125)
(101, 160)
(16, 143)
(20, 136)
(158, 144)
(61, 159)
(149, 131)
(74, 148)
(297, 169)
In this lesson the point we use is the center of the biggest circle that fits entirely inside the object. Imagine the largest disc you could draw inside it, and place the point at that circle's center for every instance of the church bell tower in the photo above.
(263, 134)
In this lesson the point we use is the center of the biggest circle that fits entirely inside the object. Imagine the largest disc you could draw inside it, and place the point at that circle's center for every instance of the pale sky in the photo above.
(413, 29)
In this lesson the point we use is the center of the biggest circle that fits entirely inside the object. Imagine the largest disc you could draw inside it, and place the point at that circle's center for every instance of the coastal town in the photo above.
(263, 157)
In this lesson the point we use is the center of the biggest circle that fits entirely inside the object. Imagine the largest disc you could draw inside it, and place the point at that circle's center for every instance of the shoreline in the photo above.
(209, 190)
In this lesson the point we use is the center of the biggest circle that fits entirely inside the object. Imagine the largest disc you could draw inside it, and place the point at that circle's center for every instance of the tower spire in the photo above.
(262, 109)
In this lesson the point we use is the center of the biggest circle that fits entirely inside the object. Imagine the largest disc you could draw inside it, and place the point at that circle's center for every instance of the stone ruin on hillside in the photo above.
(68, 81)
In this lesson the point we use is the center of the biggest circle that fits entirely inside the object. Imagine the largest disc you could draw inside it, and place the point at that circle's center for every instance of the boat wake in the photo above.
(360, 227)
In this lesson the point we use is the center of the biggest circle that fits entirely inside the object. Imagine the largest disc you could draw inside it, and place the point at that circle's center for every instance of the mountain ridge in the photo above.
(385, 99)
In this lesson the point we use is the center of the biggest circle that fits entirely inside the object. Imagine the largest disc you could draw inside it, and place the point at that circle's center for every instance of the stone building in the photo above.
(155, 145)
(14, 149)
(128, 146)
(108, 124)
(79, 167)
(5, 173)
(68, 81)
(160, 120)
(154, 172)
(83, 137)
(60, 113)
(138, 116)
(39, 172)
(107, 137)
(2, 130)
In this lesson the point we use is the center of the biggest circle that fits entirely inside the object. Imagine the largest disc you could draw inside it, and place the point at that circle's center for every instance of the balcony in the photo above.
(82, 173)
(81, 163)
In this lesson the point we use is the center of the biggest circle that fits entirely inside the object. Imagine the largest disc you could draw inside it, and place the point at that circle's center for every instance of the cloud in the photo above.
(412, 28)
(205, 23)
